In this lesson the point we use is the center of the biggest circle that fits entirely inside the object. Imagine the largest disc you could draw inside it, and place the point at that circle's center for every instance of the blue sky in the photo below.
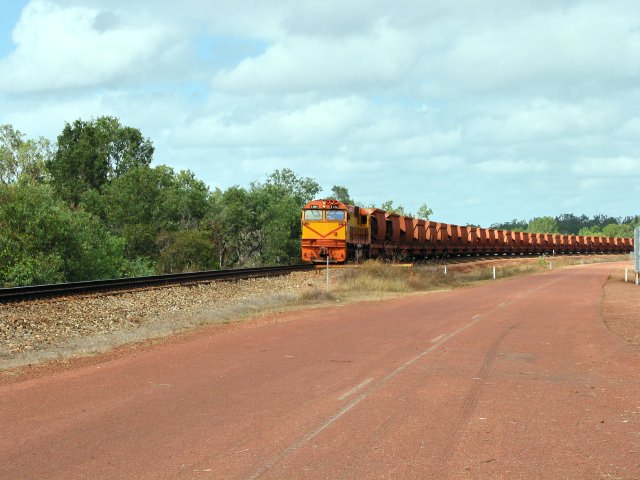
(10, 10)
(486, 111)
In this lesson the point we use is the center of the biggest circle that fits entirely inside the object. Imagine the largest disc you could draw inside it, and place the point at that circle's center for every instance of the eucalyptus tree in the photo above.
(91, 153)
(43, 240)
(22, 158)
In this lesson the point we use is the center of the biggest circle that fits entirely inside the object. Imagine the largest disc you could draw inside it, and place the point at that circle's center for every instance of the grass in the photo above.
(378, 277)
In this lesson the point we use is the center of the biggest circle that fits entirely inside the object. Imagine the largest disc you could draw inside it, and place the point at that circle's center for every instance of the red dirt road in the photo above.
(517, 379)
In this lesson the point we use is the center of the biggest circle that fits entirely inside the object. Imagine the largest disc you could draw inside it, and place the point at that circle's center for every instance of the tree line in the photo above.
(569, 224)
(92, 207)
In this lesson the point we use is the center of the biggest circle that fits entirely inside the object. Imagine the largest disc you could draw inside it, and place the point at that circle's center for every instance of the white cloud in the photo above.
(435, 164)
(608, 167)
(630, 129)
(381, 58)
(542, 119)
(513, 167)
(239, 18)
(325, 121)
(58, 48)
(568, 46)
(591, 184)
(330, 120)
(428, 143)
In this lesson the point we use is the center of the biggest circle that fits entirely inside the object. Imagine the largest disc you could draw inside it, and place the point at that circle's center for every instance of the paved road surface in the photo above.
(517, 379)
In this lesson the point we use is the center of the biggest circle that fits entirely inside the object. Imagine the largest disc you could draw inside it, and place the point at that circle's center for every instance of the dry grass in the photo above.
(378, 277)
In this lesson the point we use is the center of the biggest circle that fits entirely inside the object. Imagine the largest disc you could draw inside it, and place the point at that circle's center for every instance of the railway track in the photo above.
(9, 295)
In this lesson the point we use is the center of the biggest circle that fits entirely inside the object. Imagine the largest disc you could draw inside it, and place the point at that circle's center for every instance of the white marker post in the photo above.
(445, 269)
(626, 275)
(636, 250)
(494, 273)
(327, 272)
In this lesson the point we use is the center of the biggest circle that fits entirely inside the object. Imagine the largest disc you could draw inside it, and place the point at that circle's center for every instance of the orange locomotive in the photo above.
(338, 233)
(334, 231)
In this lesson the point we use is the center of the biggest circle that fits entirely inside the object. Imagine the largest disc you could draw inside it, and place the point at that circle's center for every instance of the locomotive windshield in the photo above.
(313, 214)
(318, 215)
(335, 214)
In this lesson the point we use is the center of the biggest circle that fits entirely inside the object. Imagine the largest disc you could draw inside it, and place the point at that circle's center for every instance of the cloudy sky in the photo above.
(485, 110)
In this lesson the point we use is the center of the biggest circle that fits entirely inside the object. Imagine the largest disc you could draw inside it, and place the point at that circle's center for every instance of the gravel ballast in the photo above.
(45, 329)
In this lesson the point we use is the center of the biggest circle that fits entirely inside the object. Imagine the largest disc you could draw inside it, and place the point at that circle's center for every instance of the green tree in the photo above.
(285, 181)
(590, 231)
(277, 204)
(260, 225)
(602, 221)
(20, 157)
(90, 154)
(388, 206)
(233, 218)
(424, 212)
(43, 241)
(514, 225)
(611, 230)
(543, 225)
(144, 202)
(618, 230)
(340, 193)
(278, 220)
(570, 224)
(186, 251)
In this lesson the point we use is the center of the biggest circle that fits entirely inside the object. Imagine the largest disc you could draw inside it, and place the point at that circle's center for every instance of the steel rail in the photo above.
(8, 295)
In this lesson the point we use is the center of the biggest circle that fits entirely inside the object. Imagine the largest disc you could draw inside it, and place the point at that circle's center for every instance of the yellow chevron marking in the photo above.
(323, 230)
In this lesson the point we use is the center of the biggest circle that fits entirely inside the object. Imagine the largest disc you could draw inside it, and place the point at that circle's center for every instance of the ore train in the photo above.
(335, 232)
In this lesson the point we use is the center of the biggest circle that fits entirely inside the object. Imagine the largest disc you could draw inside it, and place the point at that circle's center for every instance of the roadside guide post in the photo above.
(327, 272)
(636, 250)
